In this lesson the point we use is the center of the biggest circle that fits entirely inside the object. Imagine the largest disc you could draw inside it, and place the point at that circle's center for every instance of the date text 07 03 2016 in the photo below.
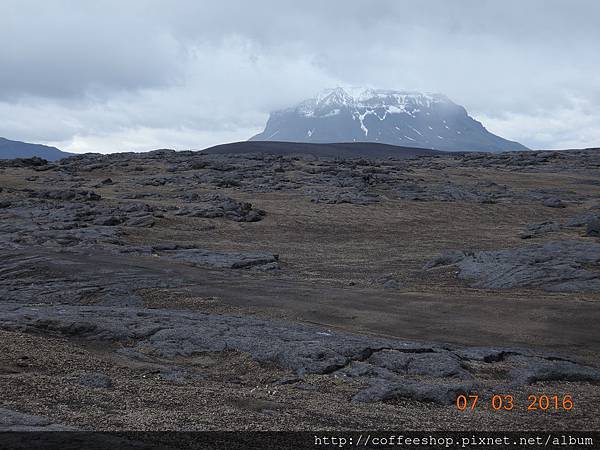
(505, 402)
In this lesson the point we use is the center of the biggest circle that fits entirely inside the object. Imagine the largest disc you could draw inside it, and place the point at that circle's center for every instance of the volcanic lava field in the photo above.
(219, 291)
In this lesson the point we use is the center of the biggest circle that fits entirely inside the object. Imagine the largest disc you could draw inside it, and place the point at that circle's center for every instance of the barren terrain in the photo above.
(190, 291)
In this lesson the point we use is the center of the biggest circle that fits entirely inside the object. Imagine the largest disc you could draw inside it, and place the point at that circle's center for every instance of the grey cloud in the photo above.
(67, 51)
(128, 75)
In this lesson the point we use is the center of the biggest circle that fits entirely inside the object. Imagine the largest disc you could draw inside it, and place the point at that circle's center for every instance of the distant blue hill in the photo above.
(15, 149)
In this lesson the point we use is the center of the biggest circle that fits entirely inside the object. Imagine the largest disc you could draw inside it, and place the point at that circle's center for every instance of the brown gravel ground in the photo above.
(330, 256)
(40, 375)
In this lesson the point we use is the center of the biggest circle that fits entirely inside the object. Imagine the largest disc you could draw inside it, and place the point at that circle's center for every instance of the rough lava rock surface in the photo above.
(392, 367)
(563, 266)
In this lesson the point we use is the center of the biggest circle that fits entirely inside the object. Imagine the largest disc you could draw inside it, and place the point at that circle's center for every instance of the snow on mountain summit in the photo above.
(405, 118)
(392, 101)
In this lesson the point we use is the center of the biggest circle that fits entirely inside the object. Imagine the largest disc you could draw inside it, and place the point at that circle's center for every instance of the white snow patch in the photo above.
(334, 112)
(381, 118)
(272, 135)
(397, 109)
(415, 130)
(361, 118)
(355, 98)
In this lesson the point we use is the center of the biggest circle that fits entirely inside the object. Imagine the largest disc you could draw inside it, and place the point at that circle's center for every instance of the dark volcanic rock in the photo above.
(331, 150)
(224, 260)
(109, 221)
(392, 367)
(388, 282)
(443, 394)
(45, 277)
(446, 258)
(67, 195)
(553, 266)
(593, 227)
(536, 229)
(552, 371)
(553, 202)
(18, 422)
(95, 380)
(221, 206)
(581, 220)
(33, 162)
(391, 284)
(73, 264)
(142, 222)
(354, 198)
(444, 365)
(450, 192)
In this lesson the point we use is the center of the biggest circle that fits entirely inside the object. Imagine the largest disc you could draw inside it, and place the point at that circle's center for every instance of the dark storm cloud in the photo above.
(114, 75)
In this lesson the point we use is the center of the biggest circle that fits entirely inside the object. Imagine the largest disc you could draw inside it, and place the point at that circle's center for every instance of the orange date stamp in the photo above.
(505, 402)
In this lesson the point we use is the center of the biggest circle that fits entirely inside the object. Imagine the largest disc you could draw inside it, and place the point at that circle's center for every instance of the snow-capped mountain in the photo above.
(410, 119)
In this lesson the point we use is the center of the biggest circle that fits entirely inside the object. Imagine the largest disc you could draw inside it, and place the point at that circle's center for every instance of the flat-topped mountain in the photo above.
(402, 118)
(16, 149)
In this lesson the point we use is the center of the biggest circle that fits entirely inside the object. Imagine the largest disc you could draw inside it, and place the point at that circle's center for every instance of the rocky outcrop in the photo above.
(564, 266)
(18, 422)
(391, 368)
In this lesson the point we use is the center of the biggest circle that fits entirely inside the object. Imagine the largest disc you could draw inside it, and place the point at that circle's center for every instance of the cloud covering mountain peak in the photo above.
(406, 118)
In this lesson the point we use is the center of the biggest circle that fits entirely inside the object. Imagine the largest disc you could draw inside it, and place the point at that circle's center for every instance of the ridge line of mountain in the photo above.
(403, 118)
(10, 149)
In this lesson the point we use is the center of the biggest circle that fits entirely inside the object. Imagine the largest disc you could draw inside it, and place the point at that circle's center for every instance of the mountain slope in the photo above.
(391, 117)
(333, 150)
(16, 149)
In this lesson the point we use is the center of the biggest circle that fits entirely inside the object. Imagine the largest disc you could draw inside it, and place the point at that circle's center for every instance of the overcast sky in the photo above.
(109, 76)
